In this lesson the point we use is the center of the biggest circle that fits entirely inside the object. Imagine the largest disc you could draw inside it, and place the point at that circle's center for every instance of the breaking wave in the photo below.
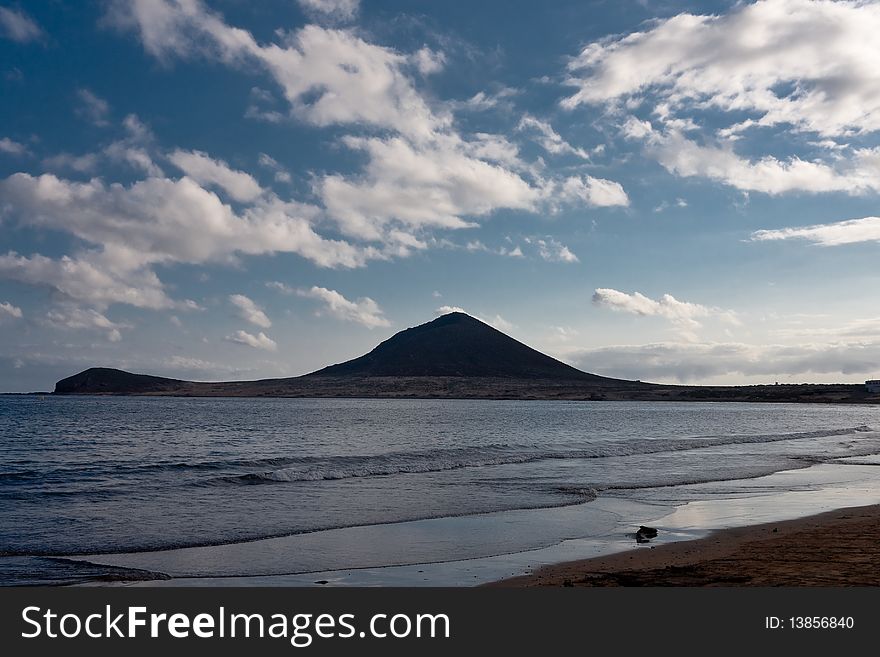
(439, 460)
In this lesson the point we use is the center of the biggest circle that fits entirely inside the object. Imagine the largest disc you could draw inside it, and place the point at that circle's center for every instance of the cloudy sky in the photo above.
(664, 190)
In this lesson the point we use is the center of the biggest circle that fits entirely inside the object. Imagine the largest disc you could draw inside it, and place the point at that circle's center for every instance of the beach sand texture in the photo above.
(838, 548)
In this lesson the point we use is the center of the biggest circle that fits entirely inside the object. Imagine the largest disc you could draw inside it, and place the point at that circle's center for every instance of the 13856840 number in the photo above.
(821, 622)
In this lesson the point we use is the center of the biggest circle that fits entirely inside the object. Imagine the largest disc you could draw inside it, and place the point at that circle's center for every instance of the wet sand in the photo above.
(837, 548)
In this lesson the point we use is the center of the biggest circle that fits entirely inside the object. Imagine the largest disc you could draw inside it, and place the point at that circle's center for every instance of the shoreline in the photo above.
(833, 548)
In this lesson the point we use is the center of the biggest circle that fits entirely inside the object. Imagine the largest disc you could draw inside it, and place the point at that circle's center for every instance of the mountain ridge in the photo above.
(455, 356)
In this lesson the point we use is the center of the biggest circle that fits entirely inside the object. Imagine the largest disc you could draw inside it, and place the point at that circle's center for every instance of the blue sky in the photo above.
(670, 191)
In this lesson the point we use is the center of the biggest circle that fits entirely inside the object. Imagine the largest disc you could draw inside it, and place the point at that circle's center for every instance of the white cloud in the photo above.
(89, 278)
(553, 250)
(500, 323)
(434, 185)
(364, 311)
(809, 64)
(163, 220)
(804, 66)
(420, 174)
(153, 221)
(445, 310)
(683, 314)
(850, 231)
(8, 310)
(85, 319)
(92, 108)
(258, 341)
(497, 321)
(133, 150)
(563, 333)
(550, 140)
(281, 174)
(862, 328)
(335, 9)
(665, 205)
(684, 157)
(249, 311)
(596, 192)
(263, 107)
(18, 26)
(695, 362)
(482, 101)
(11, 147)
(278, 286)
(428, 61)
(207, 171)
(328, 76)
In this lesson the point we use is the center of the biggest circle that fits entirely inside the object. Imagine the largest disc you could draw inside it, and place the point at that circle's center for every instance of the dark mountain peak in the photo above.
(455, 344)
(455, 317)
(96, 380)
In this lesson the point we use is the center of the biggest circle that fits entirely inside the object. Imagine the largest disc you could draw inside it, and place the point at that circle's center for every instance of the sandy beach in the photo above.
(837, 548)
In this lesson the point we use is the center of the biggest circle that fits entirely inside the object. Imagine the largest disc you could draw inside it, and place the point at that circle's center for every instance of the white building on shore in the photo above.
(873, 385)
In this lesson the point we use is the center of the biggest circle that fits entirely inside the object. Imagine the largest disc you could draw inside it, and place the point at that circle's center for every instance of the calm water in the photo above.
(87, 474)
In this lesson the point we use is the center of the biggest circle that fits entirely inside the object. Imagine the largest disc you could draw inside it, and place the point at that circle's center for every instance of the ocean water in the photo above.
(99, 475)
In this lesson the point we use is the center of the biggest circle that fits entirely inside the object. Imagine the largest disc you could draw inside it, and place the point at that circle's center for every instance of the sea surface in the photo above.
(101, 475)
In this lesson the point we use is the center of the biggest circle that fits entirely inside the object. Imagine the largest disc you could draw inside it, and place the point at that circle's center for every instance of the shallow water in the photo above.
(85, 475)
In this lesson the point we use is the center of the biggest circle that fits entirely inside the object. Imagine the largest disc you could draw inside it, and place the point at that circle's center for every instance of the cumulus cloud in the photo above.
(553, 250)
(85, 319)
(595, 192)
(164, 220)
(428, 61)
(90, 278)
(695, 362)
(421, 173)
(134, 149)
(850, 231)
(808, 64)
(8, 310)
(328, 76)
(683, 314)
(684, 157)
(805, 66)
(249, 311)
(153, 221)
(258, 341)
(335, 9)
(550, 140)
(429, 186)
(92, 108)
(364, 311)
(207, 171)
(11, 147)
(18, 26)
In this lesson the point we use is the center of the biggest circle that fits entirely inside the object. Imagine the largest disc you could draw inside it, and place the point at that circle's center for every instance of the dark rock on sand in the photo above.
(645, 534)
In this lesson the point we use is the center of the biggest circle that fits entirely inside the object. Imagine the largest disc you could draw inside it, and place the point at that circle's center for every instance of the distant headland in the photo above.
(454, 357)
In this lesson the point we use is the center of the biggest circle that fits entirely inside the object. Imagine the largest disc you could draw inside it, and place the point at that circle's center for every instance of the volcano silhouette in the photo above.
(455, 344)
